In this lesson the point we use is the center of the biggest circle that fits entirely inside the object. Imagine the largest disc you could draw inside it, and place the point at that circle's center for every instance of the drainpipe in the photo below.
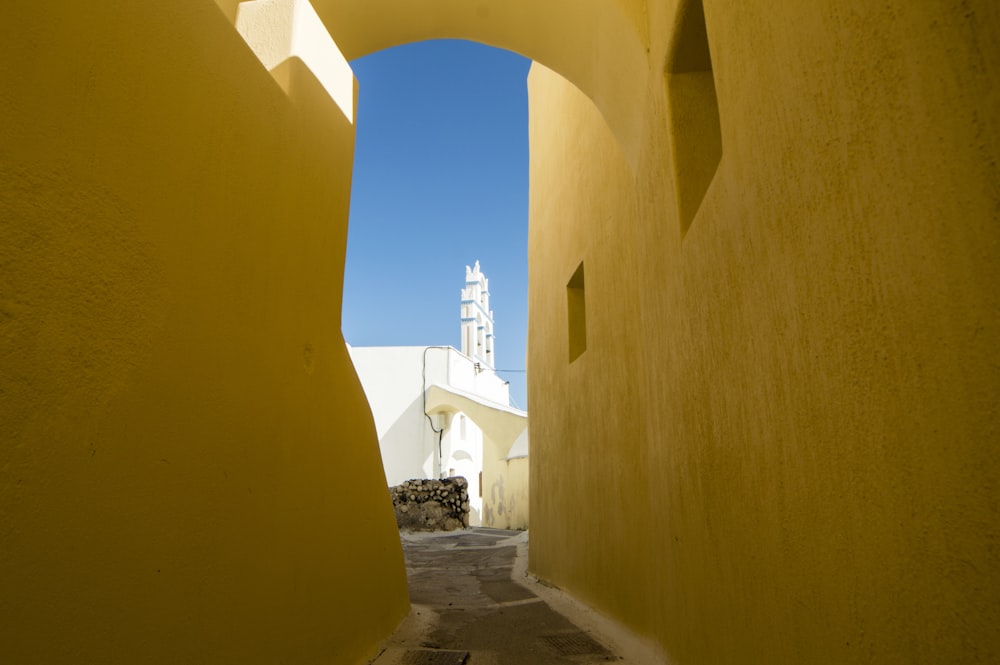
(439, 432)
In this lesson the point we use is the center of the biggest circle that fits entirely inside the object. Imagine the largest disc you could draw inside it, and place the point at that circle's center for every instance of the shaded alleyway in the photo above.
(474, 605)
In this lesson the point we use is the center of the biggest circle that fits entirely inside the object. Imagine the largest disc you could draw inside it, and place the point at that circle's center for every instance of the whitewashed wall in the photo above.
(394, 379)
(391, 378)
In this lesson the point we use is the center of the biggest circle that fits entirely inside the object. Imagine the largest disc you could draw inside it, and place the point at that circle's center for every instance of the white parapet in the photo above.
(280, 29)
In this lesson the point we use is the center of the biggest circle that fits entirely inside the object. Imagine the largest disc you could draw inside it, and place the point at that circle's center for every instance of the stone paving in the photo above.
(468, 608)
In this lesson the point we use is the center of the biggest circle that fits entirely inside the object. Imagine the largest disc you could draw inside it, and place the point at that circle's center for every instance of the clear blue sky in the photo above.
(440, 181)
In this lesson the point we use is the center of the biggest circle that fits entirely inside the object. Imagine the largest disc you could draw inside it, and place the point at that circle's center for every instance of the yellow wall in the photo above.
(588, 461)
(505, 489)
(598, 44)
(795, 391)
(179, 418)
(778, 445)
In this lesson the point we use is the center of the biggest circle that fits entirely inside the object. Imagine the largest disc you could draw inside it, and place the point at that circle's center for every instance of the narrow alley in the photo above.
(761, 358)
(473, 603)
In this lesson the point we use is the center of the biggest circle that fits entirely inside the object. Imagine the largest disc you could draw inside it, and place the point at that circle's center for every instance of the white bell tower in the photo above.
(477, 318)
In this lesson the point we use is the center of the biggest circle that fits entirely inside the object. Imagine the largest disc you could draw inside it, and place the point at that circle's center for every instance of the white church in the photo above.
(441, 412)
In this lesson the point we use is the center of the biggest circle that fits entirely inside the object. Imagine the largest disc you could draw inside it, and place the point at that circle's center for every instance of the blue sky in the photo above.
(440, 181)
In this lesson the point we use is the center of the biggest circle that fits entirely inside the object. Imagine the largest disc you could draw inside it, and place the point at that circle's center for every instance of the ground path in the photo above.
(473, 604)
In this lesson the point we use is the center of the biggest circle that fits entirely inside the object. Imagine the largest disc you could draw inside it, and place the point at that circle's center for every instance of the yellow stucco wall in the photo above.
(186, 471)
(588, 461)
(505, 489)
(596, 43)
(795, 391)
(777, 446)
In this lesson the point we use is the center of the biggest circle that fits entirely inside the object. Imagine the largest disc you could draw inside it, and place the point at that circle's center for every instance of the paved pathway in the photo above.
(468, 610)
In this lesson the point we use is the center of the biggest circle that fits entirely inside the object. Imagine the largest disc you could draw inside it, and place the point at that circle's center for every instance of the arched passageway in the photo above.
(614, 28)
(776, 354)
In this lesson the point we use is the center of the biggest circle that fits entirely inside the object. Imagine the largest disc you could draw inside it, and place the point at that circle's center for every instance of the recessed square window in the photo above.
(576, 307)
(693, 106)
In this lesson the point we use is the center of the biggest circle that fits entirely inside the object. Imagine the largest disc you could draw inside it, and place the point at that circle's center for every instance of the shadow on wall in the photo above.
(408, 446)
(496, 507)
(505, 501)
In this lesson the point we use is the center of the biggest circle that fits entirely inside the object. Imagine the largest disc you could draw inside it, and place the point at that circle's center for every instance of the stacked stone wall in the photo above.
(431, 505)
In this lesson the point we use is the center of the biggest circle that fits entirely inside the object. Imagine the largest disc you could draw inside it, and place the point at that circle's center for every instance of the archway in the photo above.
(284, 29)
(563, 35)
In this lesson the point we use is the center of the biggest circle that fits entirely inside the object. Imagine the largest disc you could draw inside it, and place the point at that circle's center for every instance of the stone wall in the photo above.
(431, 505)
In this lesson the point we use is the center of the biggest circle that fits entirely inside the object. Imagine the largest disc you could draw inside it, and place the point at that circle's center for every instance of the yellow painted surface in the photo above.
(795, 400)
(576, 313)
(504, 484)
(500, 423)
(186, 471)
(779, 445)
(505, 489)
(589, 475)
(277, 30)
(596, 43)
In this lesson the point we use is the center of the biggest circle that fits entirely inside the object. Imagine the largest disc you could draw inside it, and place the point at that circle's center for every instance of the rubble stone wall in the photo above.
(431, 505)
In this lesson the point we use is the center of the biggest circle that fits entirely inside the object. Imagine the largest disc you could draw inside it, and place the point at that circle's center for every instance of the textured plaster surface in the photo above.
(505, 490)
(816, 421)
(280, 29)
(798, 395)
(588, 458)
(571, 36)
(176, 400)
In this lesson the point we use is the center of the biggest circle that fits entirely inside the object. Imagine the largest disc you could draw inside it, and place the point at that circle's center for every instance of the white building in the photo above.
(477, 318)
(441, 412)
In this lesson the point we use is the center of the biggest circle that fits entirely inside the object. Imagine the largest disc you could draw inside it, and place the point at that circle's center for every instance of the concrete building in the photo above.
(440, 412)
(763, 323)
(477, 318)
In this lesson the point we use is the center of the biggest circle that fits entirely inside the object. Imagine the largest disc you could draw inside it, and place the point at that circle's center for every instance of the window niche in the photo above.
(693, 109)
(576, 307)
